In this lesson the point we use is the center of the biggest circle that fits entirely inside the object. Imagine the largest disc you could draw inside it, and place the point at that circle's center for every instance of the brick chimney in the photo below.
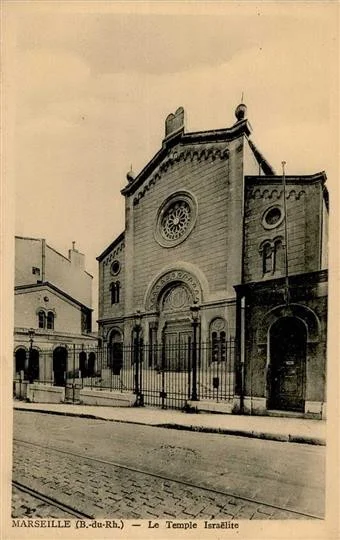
(77, 259)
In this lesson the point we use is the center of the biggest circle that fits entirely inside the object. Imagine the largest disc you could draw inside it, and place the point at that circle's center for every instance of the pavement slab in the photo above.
(296, 430)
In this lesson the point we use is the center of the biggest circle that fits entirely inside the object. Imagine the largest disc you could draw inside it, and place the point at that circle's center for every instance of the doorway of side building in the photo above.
(288, 339)
(20, 360)
(116, 352)
(33, 365)
(59, 366)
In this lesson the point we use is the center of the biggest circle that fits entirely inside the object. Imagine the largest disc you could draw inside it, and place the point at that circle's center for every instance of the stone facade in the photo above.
(52, 308)
(203, 218)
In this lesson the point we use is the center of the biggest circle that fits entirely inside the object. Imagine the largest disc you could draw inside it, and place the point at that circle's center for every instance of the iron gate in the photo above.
(166, 375)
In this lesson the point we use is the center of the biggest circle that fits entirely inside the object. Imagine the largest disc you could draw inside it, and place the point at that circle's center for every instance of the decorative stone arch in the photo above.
(114, 330)
(181, 272)
(218, 324)
(61, 345)
(304, 313)
(23, 346)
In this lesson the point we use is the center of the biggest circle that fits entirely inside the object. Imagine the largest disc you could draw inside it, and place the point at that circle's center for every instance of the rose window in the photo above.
(176, 220)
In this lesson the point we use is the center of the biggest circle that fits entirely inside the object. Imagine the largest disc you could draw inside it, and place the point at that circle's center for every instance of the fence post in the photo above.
(163, 367)
(189, 367)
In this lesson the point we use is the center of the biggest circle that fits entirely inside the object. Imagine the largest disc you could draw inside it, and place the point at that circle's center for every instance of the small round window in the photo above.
(272, 217)
(115, 268)
(175, 219)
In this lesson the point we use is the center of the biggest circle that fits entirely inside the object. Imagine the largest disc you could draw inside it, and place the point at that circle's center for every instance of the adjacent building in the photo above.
(209, 224)
(53, 313)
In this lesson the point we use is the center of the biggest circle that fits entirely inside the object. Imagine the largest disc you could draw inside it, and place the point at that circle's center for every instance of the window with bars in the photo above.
(218, 347)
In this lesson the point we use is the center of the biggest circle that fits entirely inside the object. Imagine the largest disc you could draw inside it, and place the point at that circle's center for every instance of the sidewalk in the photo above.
(298, 430)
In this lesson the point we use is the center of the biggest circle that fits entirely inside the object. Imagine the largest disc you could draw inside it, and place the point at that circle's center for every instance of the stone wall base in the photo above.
(41, 393)
(107, 399)
(255, 405)
(20, 389)
(316, 409)
(207, 405)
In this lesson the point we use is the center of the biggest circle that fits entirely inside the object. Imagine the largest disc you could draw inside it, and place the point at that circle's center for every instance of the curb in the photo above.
(300, 439)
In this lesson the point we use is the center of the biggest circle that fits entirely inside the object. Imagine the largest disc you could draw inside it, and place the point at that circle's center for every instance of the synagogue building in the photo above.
(222, 256)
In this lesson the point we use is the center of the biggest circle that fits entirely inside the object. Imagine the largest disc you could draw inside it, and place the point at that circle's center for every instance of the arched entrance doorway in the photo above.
(59, 366)
(20, 360)
(176, 328)
(115, 352)
(288, 338)
(33, 365)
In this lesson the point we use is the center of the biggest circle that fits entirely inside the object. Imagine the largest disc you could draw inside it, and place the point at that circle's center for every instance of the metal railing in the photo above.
(166, 375)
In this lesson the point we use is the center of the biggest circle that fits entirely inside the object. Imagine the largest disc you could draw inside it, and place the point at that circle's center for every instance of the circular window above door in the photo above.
(175, 219)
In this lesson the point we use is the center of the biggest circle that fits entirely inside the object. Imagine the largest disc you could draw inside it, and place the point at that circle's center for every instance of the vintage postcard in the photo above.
(169, 270)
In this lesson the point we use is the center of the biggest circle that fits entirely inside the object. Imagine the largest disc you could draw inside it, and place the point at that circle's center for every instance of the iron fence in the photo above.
(166, 375)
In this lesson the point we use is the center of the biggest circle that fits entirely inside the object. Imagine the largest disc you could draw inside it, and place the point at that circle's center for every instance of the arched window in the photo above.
(115, 292)
(50, 320)
(218, 340)
(267, 258)
(41, 319)
(272, 254)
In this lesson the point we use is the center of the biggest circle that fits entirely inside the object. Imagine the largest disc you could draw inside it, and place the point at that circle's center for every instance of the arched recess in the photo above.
(60, 355)
(115, 351)
(182, 272)
(20, 359)
(304, 313)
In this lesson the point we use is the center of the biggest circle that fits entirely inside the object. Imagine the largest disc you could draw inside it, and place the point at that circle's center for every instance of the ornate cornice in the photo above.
(113, 254)
(213, 137)
(109, 248)
(275, 193)
(185, 153)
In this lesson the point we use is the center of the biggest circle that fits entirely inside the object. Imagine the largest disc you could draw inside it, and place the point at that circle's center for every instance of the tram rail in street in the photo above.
(51, 501)
(160, 477)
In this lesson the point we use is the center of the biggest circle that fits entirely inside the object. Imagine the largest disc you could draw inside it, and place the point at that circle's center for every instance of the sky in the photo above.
(89, 86)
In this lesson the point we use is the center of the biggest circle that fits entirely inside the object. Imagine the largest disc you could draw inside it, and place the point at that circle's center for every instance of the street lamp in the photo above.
(195, 322)
(137, 329)
(31, 334)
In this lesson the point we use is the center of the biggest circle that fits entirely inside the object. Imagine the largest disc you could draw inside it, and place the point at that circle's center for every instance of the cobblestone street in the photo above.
(108, 469)
(26, 506)
(104, 490)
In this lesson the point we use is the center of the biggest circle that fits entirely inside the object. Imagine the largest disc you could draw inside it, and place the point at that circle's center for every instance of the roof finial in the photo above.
(130, 175)
(241, 111)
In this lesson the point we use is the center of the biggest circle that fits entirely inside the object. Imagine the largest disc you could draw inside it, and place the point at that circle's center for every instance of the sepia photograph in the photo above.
(169, 171)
